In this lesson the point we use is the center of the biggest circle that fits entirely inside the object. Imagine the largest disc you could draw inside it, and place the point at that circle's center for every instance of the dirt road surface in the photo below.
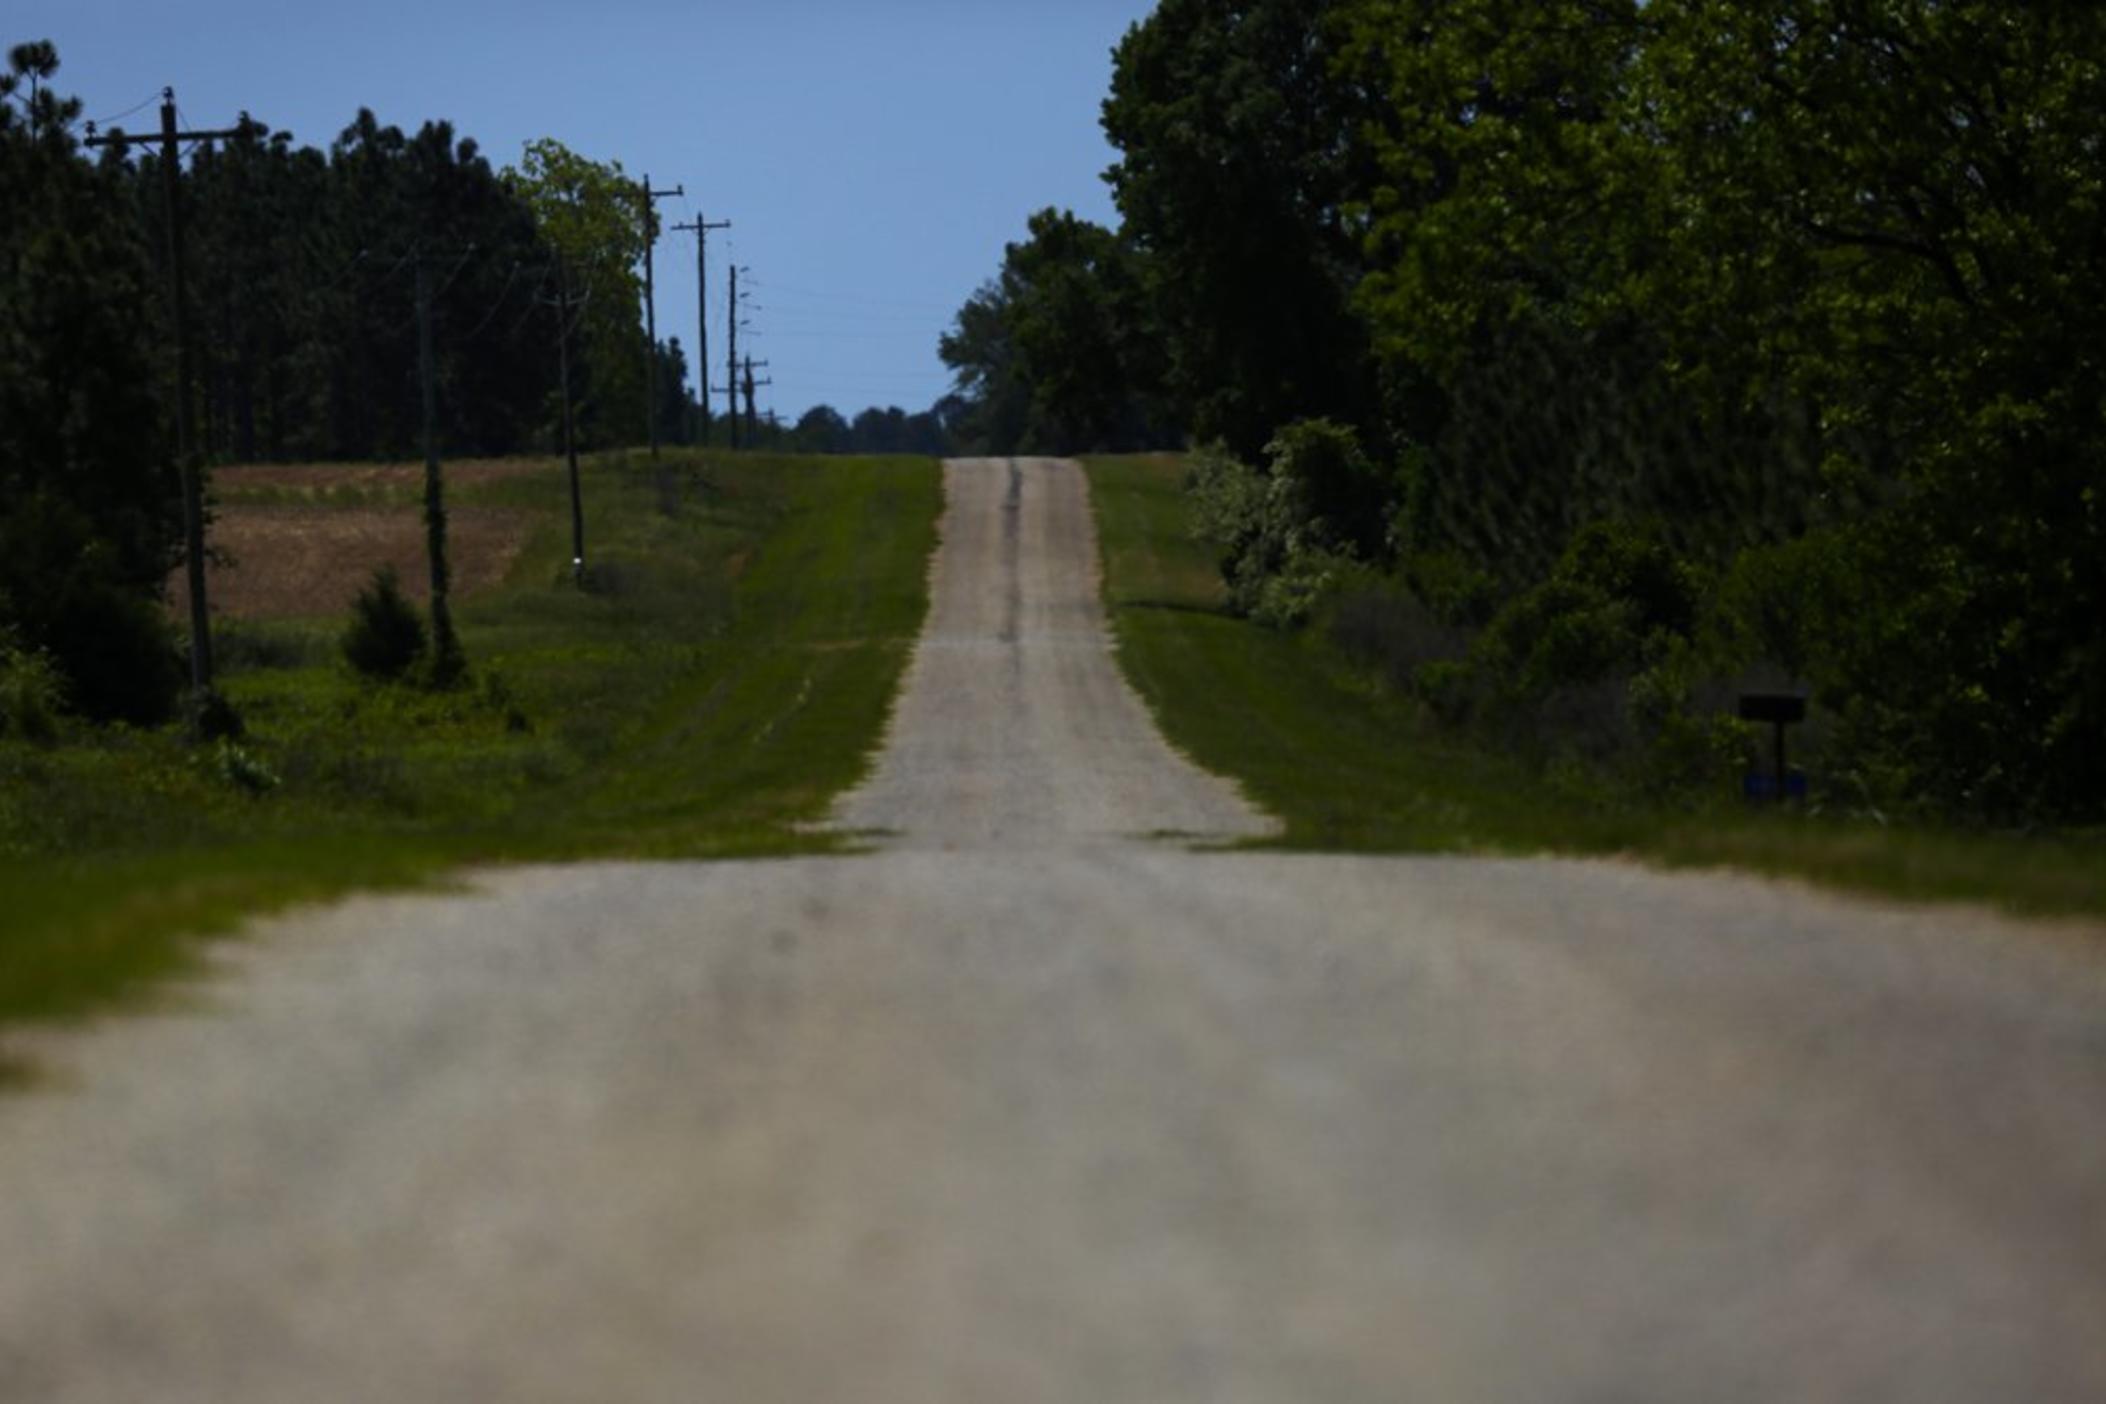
(1023, 1108)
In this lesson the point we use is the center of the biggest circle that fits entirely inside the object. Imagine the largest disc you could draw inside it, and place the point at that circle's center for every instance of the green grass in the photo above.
(1346, 765)
(728, 673)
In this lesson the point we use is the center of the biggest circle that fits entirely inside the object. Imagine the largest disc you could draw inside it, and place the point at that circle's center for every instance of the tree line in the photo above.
(300, 270)
(1571, 357)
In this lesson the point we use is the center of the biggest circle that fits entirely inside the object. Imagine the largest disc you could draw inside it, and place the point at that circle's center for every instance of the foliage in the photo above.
(386, 635)
(238, 767)
(1287, 534)
(590, 214)
(1234, 184)
(822, 429)
(32, 693)
(1056, 353)
(89, 516)
(1806, 287)
(301, 279)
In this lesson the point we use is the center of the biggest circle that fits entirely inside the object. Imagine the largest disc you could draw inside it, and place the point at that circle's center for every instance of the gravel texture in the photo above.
(1017, 1109)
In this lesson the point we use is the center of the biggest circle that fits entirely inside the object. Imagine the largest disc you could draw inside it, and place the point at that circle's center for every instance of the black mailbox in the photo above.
(1778, 707)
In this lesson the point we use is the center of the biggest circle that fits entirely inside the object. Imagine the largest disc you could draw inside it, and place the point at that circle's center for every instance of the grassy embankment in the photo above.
(1346, 765)
(728, 672)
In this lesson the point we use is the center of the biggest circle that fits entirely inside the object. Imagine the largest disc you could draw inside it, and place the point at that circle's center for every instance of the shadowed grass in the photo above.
(1346, 765)
(728, 671)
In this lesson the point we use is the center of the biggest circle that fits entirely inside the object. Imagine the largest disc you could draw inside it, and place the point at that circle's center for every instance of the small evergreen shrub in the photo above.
(386, 635)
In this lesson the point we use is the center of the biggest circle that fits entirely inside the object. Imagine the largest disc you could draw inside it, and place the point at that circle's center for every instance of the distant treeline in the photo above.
(1574, 359)
(822, 429)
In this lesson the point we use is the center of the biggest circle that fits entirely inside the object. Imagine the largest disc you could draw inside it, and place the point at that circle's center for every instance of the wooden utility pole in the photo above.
(564, 326)
(731, 358)
(752, 419)
(187, 465)
(650, 198)
(701, 227)
(446, 659)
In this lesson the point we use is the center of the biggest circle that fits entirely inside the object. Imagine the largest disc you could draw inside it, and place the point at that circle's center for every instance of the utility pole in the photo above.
(702, 226)
(446, 659)
(752, 419)
(564, 326)
(187, 465)
(650, 198)
(731, 358)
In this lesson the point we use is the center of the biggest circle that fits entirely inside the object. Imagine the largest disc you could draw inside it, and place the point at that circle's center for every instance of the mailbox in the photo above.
(1780, 709)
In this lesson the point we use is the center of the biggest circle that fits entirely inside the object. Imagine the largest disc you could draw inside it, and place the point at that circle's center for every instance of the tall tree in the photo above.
(90, 521)
(588, 212)
(1237, 184)
(1058, 352)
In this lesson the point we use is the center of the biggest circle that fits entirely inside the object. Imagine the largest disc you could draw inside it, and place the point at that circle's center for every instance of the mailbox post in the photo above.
(1780, 709)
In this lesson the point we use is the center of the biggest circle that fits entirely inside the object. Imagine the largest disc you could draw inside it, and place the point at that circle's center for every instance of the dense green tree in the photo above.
(821, 429)
(1237, 182)
(1057, 353)
(89, 512)
(1917, 190)
(588, 213)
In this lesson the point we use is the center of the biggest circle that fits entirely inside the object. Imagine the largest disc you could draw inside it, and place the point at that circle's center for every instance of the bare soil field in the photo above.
(391, 479)
(285, 557)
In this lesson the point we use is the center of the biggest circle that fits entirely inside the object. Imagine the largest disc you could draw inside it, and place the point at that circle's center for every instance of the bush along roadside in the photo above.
(1625, 657)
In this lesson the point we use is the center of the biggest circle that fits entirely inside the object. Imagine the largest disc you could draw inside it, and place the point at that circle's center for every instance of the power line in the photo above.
(511, 277)
(147, 101)
(851, 297)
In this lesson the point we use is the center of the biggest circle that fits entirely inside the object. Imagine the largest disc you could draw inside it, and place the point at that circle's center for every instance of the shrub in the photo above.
(241, 769)
(386, 636)
(1340, 498)
(117, 655)
(1617, 600)
(1457, 592)
(1287, 534)
(1287, 598)
(212, 717)
(32, 692)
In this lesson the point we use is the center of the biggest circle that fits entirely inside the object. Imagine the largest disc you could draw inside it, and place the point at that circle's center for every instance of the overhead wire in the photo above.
(511, 277)
(147, 101)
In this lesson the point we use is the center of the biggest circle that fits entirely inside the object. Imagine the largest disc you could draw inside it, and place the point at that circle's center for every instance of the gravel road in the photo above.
(1022, 1108)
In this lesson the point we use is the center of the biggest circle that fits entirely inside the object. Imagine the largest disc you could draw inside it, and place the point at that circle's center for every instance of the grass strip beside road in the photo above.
(1349, 766)
(729, 672)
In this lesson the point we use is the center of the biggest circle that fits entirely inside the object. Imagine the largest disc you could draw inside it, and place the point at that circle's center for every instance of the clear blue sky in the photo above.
(874, 157)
